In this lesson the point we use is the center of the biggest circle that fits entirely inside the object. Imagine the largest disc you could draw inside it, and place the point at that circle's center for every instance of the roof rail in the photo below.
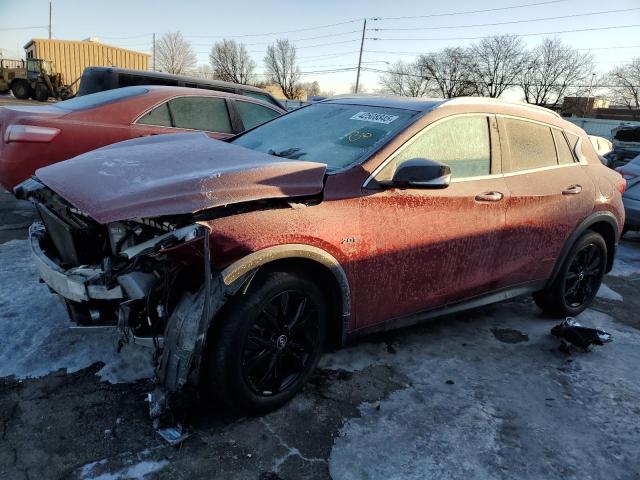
(488, 100)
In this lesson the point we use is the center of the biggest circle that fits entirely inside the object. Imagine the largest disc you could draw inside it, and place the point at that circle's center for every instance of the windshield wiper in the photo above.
(292, 153)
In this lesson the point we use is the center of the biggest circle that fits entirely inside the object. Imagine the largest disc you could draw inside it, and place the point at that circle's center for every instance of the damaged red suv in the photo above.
(244, 259)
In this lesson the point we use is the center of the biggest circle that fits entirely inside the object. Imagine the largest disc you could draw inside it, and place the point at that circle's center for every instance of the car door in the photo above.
(208, 114)
(550, 195)
(426, 248)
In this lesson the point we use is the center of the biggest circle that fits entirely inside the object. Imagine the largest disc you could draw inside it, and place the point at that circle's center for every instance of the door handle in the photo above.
(489, 197)
(572, 190)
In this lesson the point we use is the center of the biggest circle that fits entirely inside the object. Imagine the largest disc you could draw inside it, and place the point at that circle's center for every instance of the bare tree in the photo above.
(406, 79)
(174, 54)
(552, 70)
(626, 86)
(231, 62)
(448, 72)
(204, 71)
(281, 67)
(311, 88)
(496, 64)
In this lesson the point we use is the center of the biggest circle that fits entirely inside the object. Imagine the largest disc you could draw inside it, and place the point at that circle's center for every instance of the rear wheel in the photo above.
(41, 92)
(269, 342)
(578, 280)
(21, 89)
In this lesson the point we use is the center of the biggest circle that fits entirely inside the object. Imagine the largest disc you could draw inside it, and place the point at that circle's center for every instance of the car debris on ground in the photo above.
(572, 332)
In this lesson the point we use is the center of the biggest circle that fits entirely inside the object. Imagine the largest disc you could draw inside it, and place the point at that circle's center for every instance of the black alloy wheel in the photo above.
(578, 280)
(266, 342)
(584, 276)
(280, 343)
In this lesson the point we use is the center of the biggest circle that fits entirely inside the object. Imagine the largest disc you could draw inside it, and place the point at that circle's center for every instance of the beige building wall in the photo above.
(71, 57)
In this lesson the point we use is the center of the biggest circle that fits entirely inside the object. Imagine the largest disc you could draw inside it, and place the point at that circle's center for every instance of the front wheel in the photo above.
(21, 89)
(269, 341)
(578, 280)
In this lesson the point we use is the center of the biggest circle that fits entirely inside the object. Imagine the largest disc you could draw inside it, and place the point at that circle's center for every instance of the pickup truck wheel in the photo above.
(579, 279)
(269, 342)
(21, 89)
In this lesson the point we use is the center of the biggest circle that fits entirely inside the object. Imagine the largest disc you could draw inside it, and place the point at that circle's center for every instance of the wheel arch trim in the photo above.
(243, 269)
(594, 218)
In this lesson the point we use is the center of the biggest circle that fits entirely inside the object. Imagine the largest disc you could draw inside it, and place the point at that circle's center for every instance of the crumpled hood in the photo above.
(175, 174)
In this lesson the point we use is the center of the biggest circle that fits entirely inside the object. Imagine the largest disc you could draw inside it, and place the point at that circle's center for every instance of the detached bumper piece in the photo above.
(76, 284)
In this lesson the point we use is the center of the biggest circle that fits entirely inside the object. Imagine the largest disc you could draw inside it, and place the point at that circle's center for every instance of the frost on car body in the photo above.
(340, 218)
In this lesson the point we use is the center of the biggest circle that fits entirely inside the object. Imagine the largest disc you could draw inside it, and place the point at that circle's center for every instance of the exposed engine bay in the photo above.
(131, 274)
(128, 259)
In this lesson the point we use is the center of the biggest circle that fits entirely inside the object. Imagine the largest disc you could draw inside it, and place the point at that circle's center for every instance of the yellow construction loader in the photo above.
(32, 78)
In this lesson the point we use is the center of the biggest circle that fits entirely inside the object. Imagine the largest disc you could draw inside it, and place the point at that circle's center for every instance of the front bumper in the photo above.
(74, 284)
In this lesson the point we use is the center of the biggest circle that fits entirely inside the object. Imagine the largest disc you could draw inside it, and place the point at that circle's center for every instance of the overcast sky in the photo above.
(130, 24)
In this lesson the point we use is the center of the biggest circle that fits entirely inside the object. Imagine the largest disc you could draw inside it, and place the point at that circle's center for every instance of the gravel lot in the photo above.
(480, 394)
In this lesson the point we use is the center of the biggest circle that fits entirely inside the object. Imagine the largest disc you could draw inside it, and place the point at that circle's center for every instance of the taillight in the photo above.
(622, 185)
(30, 133)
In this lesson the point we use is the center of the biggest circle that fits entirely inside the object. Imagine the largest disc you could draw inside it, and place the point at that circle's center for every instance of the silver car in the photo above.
(631, 197)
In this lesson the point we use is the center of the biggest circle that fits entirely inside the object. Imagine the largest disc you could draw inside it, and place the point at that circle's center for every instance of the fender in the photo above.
(602, 216)
(238, 271)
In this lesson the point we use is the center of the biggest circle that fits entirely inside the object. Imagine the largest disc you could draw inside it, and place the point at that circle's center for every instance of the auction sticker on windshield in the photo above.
(374, 117)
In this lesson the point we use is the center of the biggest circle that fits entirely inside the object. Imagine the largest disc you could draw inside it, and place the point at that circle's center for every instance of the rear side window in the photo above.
(531, 145)
(462, 143)
(259, 96)
(158, 116)
(253, 114)
(562, 147)
(200, 113)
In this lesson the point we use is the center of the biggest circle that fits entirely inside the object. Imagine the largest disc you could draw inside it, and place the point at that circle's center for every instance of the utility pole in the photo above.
(49, 20)
(586, 107)
(154, 51)
(364, 30)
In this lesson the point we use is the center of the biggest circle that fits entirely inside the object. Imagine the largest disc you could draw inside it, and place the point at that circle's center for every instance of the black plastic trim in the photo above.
(591, 220)
(467, 304)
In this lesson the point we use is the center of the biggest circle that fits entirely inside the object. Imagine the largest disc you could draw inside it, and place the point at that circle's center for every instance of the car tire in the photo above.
(21, 89)
(258, 360)
(578, 280)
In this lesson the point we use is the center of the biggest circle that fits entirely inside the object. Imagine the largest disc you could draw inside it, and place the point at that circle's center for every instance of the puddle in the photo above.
(508, 335)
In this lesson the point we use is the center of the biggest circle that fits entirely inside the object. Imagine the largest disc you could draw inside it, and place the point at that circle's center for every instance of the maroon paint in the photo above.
(402, 250)
(127, 180)
(85, 130)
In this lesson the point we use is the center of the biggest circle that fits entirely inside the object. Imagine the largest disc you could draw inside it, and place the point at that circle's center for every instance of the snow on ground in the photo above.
(627, 259)
(34, 328)
(476, 426)
(136, 467)
(608, 293)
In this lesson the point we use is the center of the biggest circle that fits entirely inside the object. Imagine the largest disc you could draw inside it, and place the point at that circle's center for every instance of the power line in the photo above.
(428, 77)
(575, 15)
(331, 35)
(317, 45)
(23, 28)
(266, 34)
(328, 55)
(511, 7)
(129, 37)
(612, 27)
(345, 22)
(610, 48)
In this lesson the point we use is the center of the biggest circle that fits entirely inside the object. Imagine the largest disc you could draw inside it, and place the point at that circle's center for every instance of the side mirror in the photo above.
(421, 173)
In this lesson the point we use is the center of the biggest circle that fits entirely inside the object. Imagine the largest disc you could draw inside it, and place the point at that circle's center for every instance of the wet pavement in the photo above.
(479, 394)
